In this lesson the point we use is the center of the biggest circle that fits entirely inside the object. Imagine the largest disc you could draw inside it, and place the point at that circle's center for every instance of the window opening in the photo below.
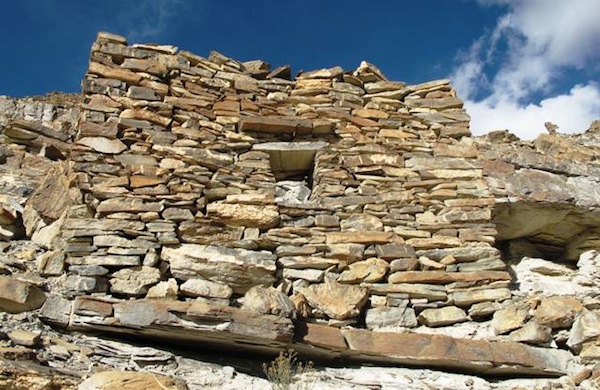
(292, 164)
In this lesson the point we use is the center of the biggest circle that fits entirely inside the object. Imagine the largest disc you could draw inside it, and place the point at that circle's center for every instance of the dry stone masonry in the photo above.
(337, 212)
(185, 166)
(224, 176)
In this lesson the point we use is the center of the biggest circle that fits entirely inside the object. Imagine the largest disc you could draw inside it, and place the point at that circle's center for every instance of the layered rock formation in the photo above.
(346, 216)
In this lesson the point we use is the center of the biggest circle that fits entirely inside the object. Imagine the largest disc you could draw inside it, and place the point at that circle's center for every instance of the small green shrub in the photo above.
(285, 370)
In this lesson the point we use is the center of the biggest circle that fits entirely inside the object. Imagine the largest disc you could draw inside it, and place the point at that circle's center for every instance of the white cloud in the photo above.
(541, 40)
(572, 112)
(147, 19)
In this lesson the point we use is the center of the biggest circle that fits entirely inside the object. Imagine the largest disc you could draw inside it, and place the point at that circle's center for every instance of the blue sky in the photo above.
(516, 63)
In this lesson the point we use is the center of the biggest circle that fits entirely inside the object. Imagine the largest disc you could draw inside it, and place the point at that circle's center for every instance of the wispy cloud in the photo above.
(507, 76)
(148, 19)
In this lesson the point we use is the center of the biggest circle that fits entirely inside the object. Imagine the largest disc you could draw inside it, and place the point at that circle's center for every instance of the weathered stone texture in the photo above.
(18, 296)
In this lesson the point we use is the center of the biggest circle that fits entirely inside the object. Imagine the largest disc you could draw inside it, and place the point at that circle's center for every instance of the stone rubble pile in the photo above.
(43, 125)
(58, 111)
(344, 215)
(36, 135)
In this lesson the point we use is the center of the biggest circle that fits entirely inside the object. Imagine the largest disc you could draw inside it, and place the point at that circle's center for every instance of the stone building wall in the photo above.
(184, 163)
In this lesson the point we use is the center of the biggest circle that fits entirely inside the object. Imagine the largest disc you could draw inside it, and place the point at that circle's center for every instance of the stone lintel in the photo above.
(275, 125)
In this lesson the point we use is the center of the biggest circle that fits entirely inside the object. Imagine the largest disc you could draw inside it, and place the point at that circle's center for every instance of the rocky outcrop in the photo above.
(212, 202)
(547, 202)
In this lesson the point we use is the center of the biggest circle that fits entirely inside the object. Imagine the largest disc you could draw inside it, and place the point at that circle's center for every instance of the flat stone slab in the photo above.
(103, 145)
(290, 146)
(195, 322)
(37, 127)
(229, 328)
(477, 356)
(443, 277)
(290, 156)
(277, 125)
(432, 292)
(262, 217)
(361, 237)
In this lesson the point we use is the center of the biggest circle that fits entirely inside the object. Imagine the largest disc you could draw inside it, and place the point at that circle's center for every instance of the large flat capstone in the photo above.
(278, 125)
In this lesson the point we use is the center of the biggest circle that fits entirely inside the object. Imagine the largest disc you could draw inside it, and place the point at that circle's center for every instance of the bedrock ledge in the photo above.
(200, 324)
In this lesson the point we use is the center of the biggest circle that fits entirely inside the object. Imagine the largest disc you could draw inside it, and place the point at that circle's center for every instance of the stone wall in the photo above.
(175, 158)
